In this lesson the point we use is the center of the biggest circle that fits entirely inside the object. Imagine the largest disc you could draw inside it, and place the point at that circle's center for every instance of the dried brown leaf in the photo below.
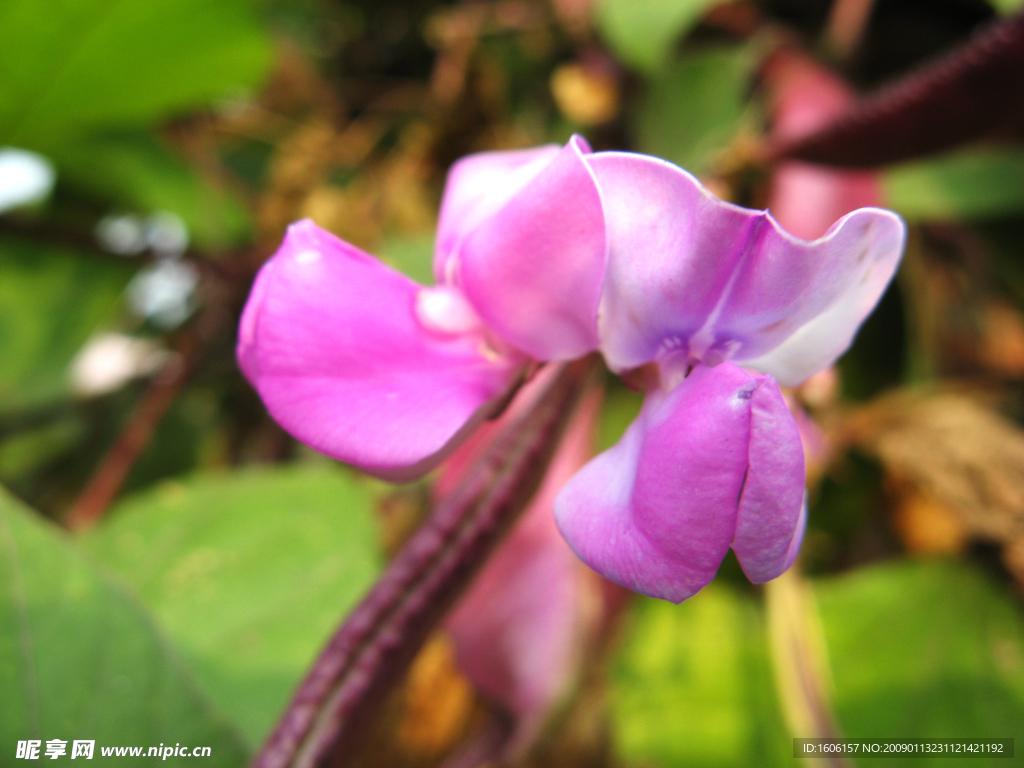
(963, 455)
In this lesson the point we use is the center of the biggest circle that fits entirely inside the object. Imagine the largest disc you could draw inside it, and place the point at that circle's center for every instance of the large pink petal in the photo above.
(657, 512)
(692, 276)
(331, 341)
(533, 269)
(477, 186)
(773, 492)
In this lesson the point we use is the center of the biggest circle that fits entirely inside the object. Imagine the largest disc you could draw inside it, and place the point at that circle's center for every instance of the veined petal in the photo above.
(854, 279)
(824, 288)
(672, 249)
(767, 523)
(533, 269)
(331, 340)
(477, 186)
(657, 512)
(692, 275)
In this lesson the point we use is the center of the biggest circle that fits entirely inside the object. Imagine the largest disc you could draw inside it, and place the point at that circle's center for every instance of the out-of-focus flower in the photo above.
(25, 178)
(123, 234)
(549, 254)
(806, 198)
(164, 292)
(109, 360)
(128, 235)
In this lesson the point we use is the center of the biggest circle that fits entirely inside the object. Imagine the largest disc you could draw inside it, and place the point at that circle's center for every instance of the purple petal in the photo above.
(798, 304)
(533, 269)
(773, 493)
(672, 249)
(657, 512)
(477, 186)
(331, 340)
(694, 276)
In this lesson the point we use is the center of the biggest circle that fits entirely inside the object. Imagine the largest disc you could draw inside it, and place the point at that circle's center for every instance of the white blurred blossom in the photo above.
(110, 360)
(127, 234)
(25, 178)
(123, 234)
(167, 233)
(164, 292)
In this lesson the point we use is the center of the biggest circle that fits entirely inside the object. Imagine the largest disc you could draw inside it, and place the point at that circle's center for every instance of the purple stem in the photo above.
(964, 95)
(374, 646)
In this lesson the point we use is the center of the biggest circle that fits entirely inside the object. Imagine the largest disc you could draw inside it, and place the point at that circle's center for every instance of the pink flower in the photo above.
(548, 254)
(807, 198)
(367, 366)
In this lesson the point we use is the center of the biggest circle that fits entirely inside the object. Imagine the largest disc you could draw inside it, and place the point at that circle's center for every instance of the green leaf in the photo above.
(51, 301)
(922, 649)
(79, 660)
(412, 254)
(70, 66)
(620, 408)
(692, 685)
(249, 573)
(695, 107)
(135, 171)
(973, 183)
(1006, 7)
(642, 34)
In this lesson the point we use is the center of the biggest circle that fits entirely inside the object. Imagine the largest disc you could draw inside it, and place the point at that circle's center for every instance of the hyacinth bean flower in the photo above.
(552, 253)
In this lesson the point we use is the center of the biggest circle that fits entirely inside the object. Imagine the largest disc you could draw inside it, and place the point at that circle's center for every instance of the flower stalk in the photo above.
(374, 646)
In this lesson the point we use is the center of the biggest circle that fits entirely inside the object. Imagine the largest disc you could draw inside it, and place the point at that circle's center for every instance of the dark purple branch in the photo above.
(968, 94)
(375, 645)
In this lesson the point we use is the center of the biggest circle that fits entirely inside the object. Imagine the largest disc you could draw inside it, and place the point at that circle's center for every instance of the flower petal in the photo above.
(657, 512)
(477, 186)
(855, 280)
(672, 248)
(533, 269)
(706, 280)
(331, 341)
(823, 289)
(773, 492)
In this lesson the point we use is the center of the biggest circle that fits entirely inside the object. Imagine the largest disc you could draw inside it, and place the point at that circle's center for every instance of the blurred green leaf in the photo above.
(89, 64)
(25, 450)
(974, 183)
(137, 172)
(412, 254)
(249, 573)
(692, 685)
(924, 648)
(642, 34)
(78, 660)
(621, 406)
(51, 301)
(1007, 7)
(695, 106)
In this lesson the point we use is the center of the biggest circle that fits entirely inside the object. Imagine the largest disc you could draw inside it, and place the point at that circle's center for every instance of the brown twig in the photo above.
(375, 645)
(163, 390)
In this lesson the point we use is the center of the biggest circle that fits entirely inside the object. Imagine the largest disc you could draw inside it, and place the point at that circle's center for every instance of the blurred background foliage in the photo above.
(206, 556)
